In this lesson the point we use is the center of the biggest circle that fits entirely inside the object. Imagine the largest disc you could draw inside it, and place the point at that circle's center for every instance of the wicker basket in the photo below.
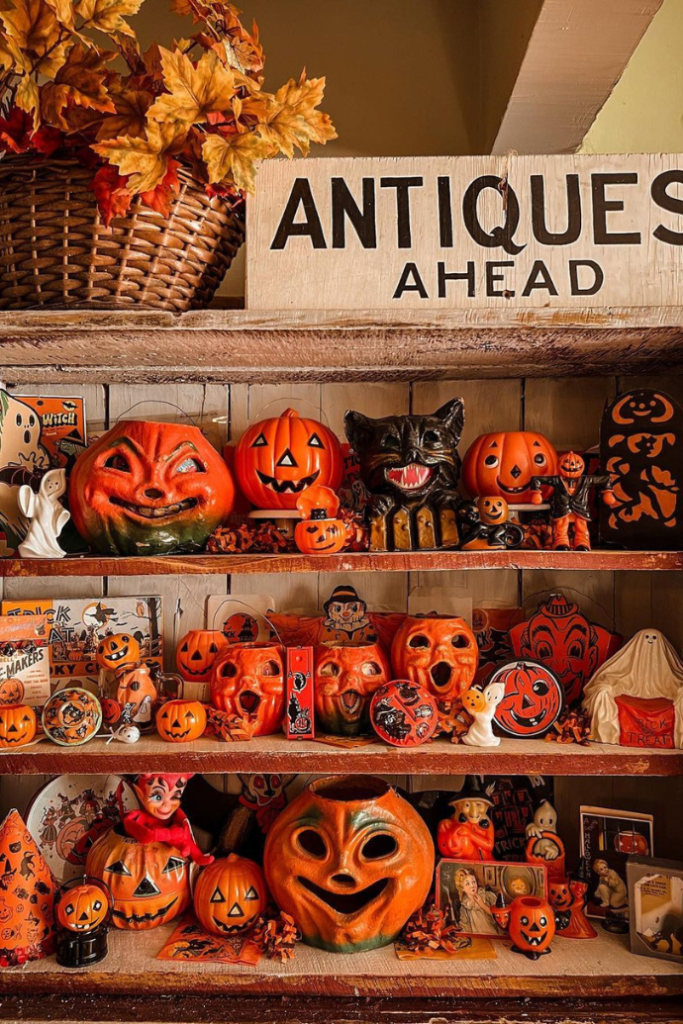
(56, 251)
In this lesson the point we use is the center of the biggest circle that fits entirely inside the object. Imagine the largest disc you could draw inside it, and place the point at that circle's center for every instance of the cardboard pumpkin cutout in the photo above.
(27, 891)
(641, 447)
(533, 698)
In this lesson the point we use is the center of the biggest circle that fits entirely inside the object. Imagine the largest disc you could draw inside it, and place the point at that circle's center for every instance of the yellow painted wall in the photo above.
(644, 114)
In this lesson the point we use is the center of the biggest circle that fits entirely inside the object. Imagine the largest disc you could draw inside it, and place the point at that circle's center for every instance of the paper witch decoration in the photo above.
(26, 896)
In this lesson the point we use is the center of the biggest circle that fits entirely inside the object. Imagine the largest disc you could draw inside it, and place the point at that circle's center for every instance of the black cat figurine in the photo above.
(411, 468)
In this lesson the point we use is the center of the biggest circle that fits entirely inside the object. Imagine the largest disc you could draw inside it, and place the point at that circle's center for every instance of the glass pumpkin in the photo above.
(17, 725)
(345, 678)
(149, 883)
(350, 860)
(438, 653)
(229, 895)
(196, 653)
(502, 464)
(276, 459)
(248, 680)
(181, 721)
(149, 489)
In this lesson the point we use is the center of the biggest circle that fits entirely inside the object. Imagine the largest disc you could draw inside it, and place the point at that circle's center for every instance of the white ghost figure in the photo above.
(647, 667)
(480, 733)
(125, 734)
(46, 515)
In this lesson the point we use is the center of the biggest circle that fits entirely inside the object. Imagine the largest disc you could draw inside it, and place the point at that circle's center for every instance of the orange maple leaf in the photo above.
(160, 198)
(145, 158)
(33, 36)
(130, 117)
(110, 192)
(108, 15)
(292, 119)
(79, 82)
(193, 92)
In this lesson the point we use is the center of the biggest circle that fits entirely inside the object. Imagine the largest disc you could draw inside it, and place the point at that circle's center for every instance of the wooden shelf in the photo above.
(600, 968)
(241, 346)
(277, 754)
(416, 561)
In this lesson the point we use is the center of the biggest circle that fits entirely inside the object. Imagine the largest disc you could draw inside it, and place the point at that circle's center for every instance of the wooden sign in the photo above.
(466, 232)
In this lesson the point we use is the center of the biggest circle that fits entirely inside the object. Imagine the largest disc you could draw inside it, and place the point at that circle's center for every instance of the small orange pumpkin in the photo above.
(249, 680)
(502, 464)
(181, 721)
(276, 459)
(116, 651)
(11, 691)
(83, 908)
(531, 926)
(17, 725)
(196, 653)
(230, 894)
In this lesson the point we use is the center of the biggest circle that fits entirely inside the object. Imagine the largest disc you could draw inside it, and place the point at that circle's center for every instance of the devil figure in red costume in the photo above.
(161, 818)
(569, 509)
(469, 834)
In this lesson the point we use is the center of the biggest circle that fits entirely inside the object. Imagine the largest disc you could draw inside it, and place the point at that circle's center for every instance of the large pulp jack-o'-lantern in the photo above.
(149, 489)
(249, 680)
(503, 464)
(350, 860)
(438, 653)
(345, 678)
(277, 459)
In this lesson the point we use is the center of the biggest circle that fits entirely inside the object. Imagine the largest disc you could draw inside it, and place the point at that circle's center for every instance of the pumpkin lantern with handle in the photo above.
(17, 725)
(248, 680)
(530, 923)
(439, 653)
(319, 533)
(181, 721)
(503, 464)
(276, 459)
(83, 914)
(230, 894)
(196, 653)
(149, 489)
(345, 678)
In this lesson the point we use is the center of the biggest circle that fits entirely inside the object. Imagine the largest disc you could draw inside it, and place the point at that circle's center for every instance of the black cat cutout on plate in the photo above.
(411, 467)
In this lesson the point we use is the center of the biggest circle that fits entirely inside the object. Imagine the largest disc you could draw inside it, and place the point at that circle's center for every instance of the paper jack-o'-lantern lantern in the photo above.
(345, 678)
(439, 653)
(350, 860)
(17, 725)
(181, 721)
(71, 717)
(149, 883)
(196, 653)
(533, 700)
(276, 459)
(248, 680)
(149, 489)
(503, 464)
(230, 894)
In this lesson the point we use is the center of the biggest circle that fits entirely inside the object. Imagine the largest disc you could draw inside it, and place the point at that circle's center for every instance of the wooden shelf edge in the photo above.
(416, 561)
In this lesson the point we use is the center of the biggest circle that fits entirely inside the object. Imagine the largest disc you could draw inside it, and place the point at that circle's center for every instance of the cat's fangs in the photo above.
(409, 477)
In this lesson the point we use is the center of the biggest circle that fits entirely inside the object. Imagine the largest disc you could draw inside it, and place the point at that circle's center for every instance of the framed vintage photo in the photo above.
(608, 838)
(469, 889)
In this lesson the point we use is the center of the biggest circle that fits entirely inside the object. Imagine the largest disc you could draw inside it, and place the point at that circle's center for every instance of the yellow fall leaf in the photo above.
(130, 117)
(35, 32)
(63, 11)
(292, 119)
(28, 98)
(108, 15)
(193, 93)
(79, 81)
(233, 157)
(144, 158)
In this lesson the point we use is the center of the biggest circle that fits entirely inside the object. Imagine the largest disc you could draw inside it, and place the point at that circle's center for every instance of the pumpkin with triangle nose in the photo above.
(17, 725)
(83, 908)
(181, 721)
(230, 894)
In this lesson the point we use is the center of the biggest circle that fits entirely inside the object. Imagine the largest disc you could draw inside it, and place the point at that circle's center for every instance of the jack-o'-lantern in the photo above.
(196, 653)
(502, 464)
(319, 533)
(345, 679)
(181, 721)
(249, 680)
(17, 725)
(149, 489)
(276, 459)
(116, 651)
(230, 894)
(532, 926)
(82, 908)
(149, 883)
(571, 466)
(71, 717)
(637, 406)
(439, 653)
(350, 860)
(493, 511)
(11, 691)
(533, 700)
(560, 895)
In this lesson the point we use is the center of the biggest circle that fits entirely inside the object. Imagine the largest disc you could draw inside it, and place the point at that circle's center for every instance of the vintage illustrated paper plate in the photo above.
(66, 809)
(72, 717)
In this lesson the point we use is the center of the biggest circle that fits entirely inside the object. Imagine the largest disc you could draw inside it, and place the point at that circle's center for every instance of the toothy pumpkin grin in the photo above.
(511, 490)
(283, 486)
(534, 940)
(155, 512)
(346, 902)
(351, 701)
(229, 929)
(119, 655)
(411, 477)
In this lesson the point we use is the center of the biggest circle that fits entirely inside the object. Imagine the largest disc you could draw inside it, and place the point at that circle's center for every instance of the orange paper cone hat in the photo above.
(27, 891)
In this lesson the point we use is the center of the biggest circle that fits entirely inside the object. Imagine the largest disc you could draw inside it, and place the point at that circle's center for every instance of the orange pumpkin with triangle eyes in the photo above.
(230, 894)
(181, 721)
(196, 653)
(17, 725)
(11, 691)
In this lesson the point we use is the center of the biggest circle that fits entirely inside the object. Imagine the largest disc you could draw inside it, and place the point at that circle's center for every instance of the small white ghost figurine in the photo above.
(481, 705)
(47, 516)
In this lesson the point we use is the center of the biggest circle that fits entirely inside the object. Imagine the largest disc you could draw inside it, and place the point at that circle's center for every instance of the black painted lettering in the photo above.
(662, 198)
(300, 195)
(492, 277)
(364, 221)
(538, 212)
(467, 275)
(602, 206)
(503, 235)
(445, 212)
(593, 285)
(539, 278)
(403, 187)
(411, 273)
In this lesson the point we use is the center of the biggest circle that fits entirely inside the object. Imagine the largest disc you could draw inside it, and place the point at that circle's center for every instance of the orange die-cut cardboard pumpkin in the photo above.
(345, 678)
(502, 464)
(533, 698)
(181, 721)
(11, 691)
(350, 860)
(438, 653)
(149, 489)
(248, 680)
(196, 653)
(149, 882)
(26, 896)
(17, 725)
(276, 459)
(229, 895)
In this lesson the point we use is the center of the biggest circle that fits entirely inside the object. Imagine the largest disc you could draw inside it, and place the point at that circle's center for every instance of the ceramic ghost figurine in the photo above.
(47, 517)
(481, 705)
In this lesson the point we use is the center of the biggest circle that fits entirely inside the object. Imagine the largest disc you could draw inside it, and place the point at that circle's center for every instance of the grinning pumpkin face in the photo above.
(197, 652)
(350, 860)
(345, 678)
(320, 536)
(181, 721)
(11, 691)
(277, 459)
(571, 466)
(230, 894)
(17, 725)
(493, 511)
(638, 406)
(116, 651)
(71, 717)
(149, 489)
(83, 908)
(149, 883)
(560, 895)
(533, 699)
(532, 925)
(438, 653)
(249, 680)
(503, 464)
